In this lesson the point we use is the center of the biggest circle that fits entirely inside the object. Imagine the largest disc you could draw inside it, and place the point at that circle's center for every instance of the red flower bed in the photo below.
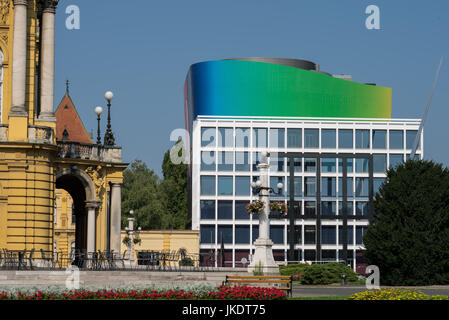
(222, 293)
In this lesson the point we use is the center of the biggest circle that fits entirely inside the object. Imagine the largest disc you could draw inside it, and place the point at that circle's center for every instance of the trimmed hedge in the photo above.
(327, 273)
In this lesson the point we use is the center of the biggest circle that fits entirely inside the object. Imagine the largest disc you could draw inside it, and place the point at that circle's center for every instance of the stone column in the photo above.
(116, 216)
(91, 225)
(47, 69)
(263, 254)
(19, 59)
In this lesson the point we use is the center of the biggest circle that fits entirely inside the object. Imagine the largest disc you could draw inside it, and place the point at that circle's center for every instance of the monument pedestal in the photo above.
(263, 259)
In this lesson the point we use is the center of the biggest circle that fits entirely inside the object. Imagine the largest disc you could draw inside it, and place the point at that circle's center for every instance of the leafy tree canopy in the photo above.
(408, 238)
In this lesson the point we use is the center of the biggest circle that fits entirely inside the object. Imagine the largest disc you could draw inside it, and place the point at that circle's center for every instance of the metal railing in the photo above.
(105, 260)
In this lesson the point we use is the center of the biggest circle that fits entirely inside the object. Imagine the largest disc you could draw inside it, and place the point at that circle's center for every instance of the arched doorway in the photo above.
(82, 190)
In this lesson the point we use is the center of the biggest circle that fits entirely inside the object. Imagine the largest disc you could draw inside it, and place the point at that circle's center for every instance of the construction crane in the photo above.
(421, 126)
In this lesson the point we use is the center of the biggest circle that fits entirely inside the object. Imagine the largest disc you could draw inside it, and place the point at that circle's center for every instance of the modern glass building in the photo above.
(330, 142)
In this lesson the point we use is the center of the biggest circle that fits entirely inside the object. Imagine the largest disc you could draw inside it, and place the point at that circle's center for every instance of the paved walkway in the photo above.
(336, 291)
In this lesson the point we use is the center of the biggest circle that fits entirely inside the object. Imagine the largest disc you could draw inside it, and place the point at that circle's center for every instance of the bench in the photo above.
(283, 282)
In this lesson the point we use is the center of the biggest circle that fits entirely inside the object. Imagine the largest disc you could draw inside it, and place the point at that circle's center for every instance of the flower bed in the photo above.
(220, 293)
(394, 294)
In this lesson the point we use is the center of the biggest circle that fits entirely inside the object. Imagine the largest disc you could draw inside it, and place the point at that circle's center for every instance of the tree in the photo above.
(140, 193)
(173, 191)
(408, 237)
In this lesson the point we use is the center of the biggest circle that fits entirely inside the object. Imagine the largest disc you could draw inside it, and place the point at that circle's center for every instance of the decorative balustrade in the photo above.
(76, 150)
(40, 134)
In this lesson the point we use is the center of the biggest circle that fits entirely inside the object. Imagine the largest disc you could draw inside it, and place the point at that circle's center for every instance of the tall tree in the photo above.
(140, 194)
(173, 189)
(408, 238)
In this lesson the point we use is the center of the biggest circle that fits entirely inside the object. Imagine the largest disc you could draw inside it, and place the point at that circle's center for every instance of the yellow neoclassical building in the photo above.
(40, 153)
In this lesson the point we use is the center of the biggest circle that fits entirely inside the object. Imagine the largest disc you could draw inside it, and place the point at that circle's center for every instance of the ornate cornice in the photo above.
(50, 6)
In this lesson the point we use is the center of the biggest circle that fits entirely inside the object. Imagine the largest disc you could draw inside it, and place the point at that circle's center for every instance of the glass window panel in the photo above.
(361, 165)
(361, 187)
(226, 233)
(240, 210)
(309, 186)
(309, 208)
(311, 138)
(242, 234)
(277, 164)
(345, 140)
(294, 138)
(309, 234)
(328, 208)
(396, 159)
(242, 161)
(242, 186)
(349, 164)
(260, 138)
(407, 157)
(410, 139)
(225, 160)
(328, 255)
(225, 137)
(277, 138)
(396, 139)
(360, 231)
(277, 234)
(297, 164)
(207, 185)
(350, 235)
(310, 165)
(362, 139)
(328, 165)
(350, 206)
(208, 160)
(361, 208)
(297, 184)
(207, 234)
(349, 188)
(379, 139)
(297, 234)
(273, 184)
(225, 185)
(377, 183)
(256, 160)
(380, 163)
(208, 137)
(328, 187)
(328, 235)
(207, 209)
(255, 232)
(224, 209)
(242, 137)
(328, 139)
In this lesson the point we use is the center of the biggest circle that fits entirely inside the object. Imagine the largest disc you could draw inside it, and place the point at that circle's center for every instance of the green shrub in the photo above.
(327, 273)
(293, 269)
(186, 262)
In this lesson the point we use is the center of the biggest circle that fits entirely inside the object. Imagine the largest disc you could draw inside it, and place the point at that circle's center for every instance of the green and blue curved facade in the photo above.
(248, 88)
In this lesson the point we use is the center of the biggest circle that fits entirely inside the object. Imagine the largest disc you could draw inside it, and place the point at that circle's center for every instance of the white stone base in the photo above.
(263, 256)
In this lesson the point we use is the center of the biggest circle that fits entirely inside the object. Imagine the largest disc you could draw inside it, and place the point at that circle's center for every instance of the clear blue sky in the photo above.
(142, 50)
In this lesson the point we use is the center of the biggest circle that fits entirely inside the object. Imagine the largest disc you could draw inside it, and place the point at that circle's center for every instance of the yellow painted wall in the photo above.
(168, 240)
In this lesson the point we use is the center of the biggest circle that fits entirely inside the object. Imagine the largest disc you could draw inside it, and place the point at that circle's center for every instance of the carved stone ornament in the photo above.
(98, 179)
(4, 11)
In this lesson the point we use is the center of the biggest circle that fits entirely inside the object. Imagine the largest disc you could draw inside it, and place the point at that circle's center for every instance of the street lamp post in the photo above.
(109, 140)
(130, 230)
(263, 255)
(98, 112)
